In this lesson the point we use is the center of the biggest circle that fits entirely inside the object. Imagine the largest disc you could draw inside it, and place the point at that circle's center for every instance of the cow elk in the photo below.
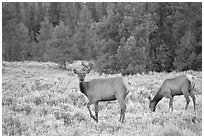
(181, 85)
(108, 89)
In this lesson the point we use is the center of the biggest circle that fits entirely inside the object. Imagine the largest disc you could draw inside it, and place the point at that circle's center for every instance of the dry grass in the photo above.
(39, 99)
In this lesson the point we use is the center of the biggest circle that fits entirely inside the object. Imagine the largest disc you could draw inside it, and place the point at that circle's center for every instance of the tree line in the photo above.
(116, 36)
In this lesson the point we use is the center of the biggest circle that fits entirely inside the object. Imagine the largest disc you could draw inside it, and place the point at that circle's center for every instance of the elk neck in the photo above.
(83, 85)
(157, 98)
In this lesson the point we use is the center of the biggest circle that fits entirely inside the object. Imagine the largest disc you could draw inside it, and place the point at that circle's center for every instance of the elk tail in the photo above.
(127, 85)
(191, 79)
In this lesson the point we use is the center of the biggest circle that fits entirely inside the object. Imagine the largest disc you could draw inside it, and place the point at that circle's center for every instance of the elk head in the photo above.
(82, 73)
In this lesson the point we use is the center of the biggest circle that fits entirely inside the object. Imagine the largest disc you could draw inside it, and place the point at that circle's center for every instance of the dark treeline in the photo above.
(117, 37)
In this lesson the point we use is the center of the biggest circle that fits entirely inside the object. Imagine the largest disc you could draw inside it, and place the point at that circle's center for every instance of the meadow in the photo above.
(40, 99)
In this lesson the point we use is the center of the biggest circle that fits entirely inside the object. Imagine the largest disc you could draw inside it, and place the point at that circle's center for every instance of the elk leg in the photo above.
(88, 106)
(171, 103)
(123, 109)
(96, 111)
(123, 113)
(187, 99)
(193, 98)
(168, 94)
(120, 115)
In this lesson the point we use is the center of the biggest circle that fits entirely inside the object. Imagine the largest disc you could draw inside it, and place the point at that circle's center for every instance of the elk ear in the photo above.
(88, 71)
(75, 71)
(149, 98)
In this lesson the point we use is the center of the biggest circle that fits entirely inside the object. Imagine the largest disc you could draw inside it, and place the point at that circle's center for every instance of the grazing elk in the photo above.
(181, 85)
(97, 90)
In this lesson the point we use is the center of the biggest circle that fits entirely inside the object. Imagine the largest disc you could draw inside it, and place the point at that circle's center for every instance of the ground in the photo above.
(40, 99)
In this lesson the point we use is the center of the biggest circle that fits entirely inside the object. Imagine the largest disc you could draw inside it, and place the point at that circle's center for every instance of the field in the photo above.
(40, 99)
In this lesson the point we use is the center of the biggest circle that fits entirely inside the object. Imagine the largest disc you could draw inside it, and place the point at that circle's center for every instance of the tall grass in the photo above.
(39, 99)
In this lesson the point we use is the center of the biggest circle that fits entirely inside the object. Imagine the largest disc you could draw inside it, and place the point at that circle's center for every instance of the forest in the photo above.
(134, 37)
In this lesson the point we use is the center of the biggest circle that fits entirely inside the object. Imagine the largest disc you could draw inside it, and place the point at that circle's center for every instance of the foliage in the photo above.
(45, 35)
(54, 13)
(82, 38)
(15, 44)
(175, 33)
(160, 36)
(60, 46)
(132, 54)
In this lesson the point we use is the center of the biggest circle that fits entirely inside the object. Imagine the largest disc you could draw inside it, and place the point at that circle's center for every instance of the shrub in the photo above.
(8, 101)
(27, 109)
(169, 129)
(79, 117)
(38, 100)
(78, 100)
(171, 132)
(13, 126)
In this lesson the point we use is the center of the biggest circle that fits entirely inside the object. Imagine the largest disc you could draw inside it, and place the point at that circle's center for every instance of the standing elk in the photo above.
(181, 85)
(109, 89)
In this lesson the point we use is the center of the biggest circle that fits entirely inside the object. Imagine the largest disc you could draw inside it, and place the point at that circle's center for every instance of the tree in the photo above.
(60, 46)
(83, 34)
(178, 23)
(40, 15)
(67, 15)
(107, 31)
(45, 34)
(18, 47)
(128, 27)
(46, 31)
(15, 34)
(109, 27)
(23, 50)
(188, 34)
(162, 43)
(54, 13)
(189, 59)
(133, 53)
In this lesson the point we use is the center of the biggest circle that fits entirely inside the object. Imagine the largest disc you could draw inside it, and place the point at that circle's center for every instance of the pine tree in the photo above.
(54, 13)
(45, 34)
(23, 50)
(60, 46)
(46, 31)
(83, 34)
(15, 34)
(187, 35)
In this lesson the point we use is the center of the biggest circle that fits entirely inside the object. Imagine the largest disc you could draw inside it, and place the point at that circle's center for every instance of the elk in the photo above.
(181, 85)
(108, 89)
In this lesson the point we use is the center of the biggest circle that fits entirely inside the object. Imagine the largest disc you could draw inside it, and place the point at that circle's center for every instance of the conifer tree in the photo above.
(83, 33)
(45, 34)
(60, 46)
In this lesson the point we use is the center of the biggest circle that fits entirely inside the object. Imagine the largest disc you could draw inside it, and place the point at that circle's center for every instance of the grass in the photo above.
(39, 99)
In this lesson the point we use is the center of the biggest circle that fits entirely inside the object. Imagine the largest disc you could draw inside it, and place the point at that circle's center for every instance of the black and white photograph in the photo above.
(101, 68)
